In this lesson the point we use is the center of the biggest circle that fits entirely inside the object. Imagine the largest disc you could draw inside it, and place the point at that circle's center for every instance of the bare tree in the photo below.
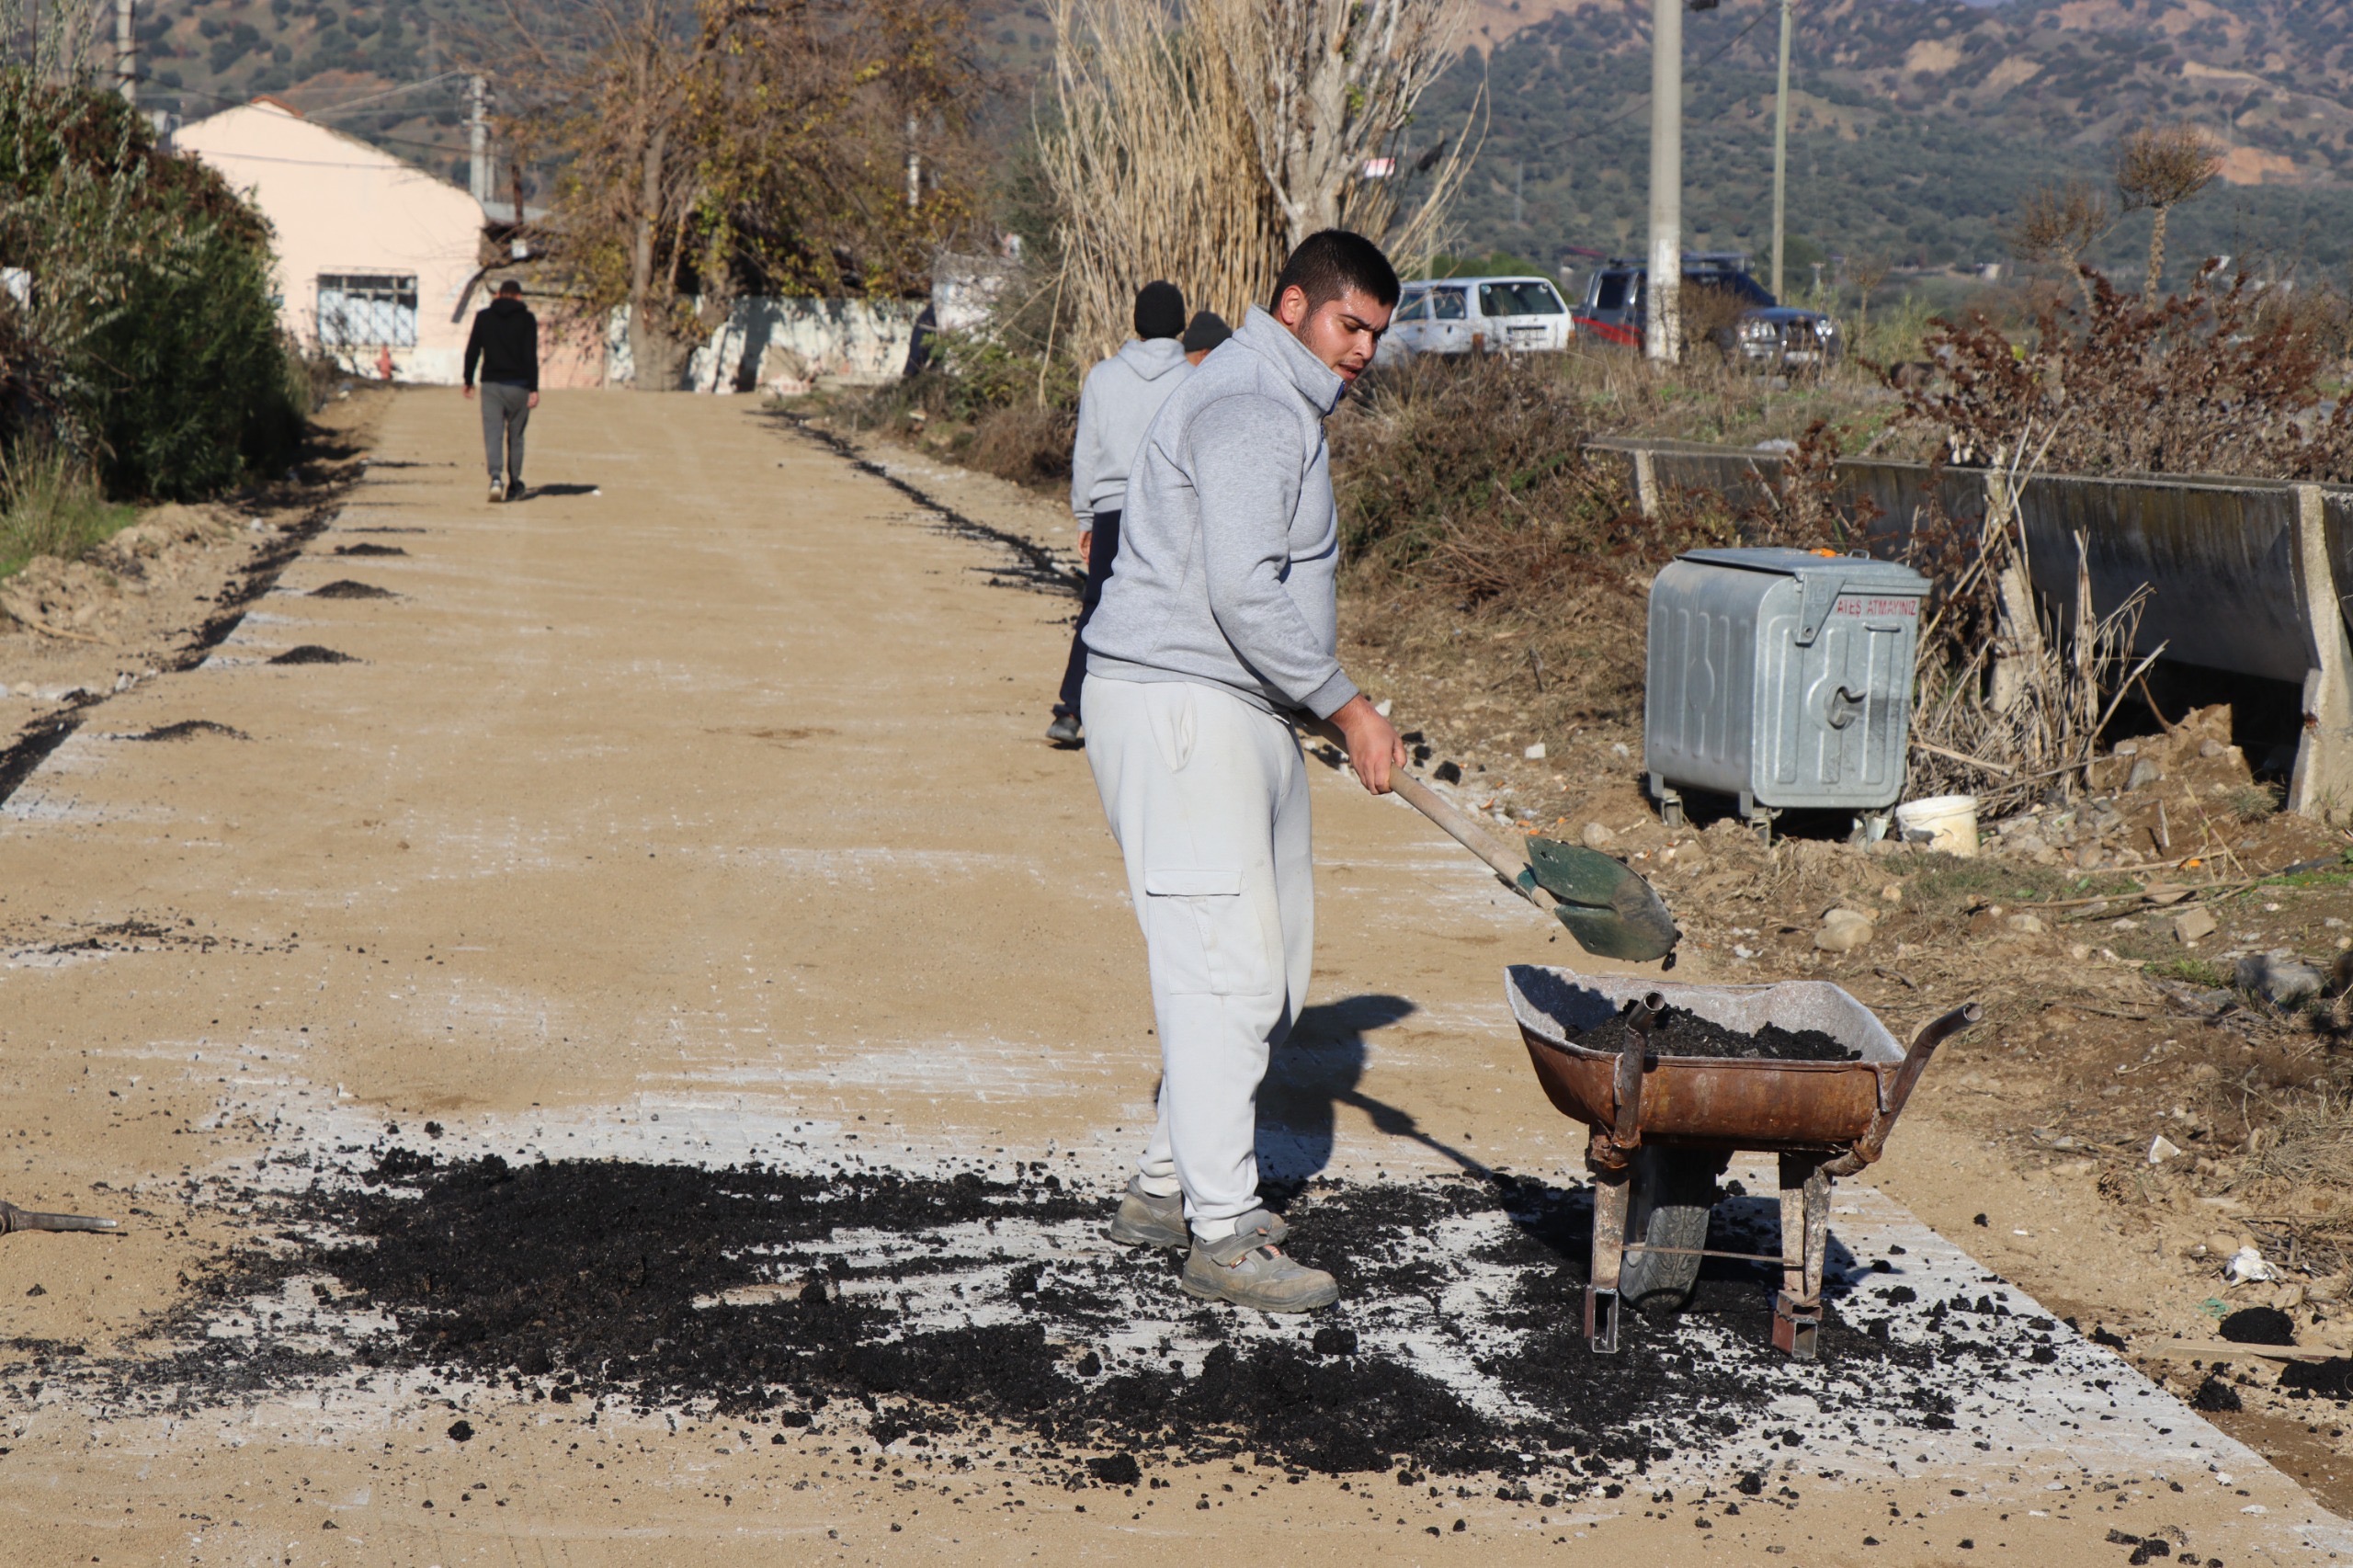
(2059, 224)
(1200, 145)
(1331, 85)
(2159, 168)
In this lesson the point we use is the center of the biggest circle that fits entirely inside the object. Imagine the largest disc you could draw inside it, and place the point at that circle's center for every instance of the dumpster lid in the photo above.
(1822, 578)
(1863, 571)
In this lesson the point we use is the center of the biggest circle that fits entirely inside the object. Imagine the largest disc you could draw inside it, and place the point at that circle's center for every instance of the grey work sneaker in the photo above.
(1249, 1269)
(515, 490)
(497, 492)
(1146, 1221)
(1064, 731)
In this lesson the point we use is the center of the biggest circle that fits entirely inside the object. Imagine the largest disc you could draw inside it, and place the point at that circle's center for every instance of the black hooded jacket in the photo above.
(506, 344)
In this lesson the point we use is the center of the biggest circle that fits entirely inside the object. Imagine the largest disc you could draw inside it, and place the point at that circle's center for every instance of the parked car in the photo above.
(1723, 304)
(1477, 315)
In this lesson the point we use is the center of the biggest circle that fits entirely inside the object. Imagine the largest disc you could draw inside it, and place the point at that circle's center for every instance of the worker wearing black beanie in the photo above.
(1207, 330)
(1160, 311)
(1116, 404)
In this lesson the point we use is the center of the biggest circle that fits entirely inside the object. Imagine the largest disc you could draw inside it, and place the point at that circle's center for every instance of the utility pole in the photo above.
(1663, 338)
(1780, 150)
(126, 54)
(478, 140)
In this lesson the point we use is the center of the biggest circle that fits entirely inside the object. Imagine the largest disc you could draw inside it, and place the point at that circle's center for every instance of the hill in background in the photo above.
(1918, 125)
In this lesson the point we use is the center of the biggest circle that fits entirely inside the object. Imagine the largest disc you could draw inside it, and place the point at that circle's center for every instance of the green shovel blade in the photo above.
(1612, 913)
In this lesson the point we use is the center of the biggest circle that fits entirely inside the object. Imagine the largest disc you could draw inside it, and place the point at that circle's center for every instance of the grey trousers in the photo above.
(1208, 799)
(506, 409)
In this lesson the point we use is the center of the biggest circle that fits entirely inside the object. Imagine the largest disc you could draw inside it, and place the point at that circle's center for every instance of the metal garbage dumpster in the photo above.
(1783, 678)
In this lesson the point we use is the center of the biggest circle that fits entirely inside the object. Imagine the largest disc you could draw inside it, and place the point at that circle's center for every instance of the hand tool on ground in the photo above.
(1611, 911)
(15, 1219)
(1664, 1127)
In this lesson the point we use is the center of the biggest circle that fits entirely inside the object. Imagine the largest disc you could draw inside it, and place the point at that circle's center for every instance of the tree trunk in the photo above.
(652, 354)
(2156, 254)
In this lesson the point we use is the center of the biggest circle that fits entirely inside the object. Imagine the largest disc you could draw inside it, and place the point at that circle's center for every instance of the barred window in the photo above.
(366, 309)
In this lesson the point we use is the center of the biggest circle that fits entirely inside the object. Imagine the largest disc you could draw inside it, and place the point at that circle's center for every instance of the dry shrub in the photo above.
(2311, 1144)
(1473, 478)
(1710, 319)
(1798, 504)
(1028, 443)
(2058, 224)
(2225, 378)
(2014, 706)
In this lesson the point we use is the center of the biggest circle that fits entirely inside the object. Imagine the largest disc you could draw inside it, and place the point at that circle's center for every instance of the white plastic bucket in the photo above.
(1947, 823)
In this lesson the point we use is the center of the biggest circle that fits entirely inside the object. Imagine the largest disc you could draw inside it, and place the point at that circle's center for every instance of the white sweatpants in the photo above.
(1208, 799)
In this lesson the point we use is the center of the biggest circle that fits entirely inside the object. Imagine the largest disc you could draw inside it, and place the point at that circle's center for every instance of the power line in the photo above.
(387, 93)
(445, 148)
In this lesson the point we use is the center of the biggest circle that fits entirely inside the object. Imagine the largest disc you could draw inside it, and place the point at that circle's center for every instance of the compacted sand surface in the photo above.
(624, 1064)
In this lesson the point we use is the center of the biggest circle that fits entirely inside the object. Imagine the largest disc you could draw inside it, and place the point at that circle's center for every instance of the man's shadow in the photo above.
(539, 491)
(1319, 1069)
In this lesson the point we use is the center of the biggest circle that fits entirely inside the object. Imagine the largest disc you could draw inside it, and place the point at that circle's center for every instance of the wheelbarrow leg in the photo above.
(1805, 1236)
(1606, 1157)
(1610, 1190)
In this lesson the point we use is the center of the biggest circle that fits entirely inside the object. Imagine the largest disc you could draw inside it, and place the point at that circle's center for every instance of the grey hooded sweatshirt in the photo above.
(1115, 408)
(1229, 542)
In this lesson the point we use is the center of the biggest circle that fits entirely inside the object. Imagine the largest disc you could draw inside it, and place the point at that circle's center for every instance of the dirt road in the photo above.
(694, 814)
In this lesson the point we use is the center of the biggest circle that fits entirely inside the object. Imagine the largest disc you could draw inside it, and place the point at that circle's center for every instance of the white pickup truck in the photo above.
(1477, 315)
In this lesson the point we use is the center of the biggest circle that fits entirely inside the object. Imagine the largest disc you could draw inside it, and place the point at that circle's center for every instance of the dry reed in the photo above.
(1200, 146)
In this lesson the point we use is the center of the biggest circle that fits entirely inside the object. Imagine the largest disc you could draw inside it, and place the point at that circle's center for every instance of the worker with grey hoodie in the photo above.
(1218, 629)
(1115, 406)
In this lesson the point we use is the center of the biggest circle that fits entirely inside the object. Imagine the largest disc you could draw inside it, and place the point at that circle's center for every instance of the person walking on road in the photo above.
(1115, 406)
(504, 343)
(1220, 626)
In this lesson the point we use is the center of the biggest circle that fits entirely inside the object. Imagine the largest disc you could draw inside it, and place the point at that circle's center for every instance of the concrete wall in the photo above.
(2244, 573)
(770, 343)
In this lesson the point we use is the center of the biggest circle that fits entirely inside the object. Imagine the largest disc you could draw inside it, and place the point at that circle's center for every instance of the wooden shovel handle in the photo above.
(1505, 863)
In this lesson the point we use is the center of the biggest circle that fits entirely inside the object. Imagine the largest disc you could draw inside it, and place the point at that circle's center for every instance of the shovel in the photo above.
(1612, 913)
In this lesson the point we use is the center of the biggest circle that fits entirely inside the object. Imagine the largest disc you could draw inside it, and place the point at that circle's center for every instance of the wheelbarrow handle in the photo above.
(1932, 1034)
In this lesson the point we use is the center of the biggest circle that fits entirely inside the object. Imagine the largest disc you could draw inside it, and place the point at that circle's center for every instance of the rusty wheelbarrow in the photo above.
(1664, 1126)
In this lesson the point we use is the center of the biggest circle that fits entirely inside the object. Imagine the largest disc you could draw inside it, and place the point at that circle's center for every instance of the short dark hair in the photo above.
(511, 286)
(1329, 263)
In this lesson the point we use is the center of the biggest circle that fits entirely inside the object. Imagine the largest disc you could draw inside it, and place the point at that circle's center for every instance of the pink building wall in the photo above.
(347, 211)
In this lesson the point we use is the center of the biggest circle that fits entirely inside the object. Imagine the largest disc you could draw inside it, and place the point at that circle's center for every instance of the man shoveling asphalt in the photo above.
(1219, 622)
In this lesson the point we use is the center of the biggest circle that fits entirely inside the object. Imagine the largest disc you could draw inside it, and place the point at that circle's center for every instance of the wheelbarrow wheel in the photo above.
(1672, 1193)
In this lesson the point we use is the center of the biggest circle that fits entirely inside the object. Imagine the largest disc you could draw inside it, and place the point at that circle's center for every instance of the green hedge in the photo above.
(148, 343)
